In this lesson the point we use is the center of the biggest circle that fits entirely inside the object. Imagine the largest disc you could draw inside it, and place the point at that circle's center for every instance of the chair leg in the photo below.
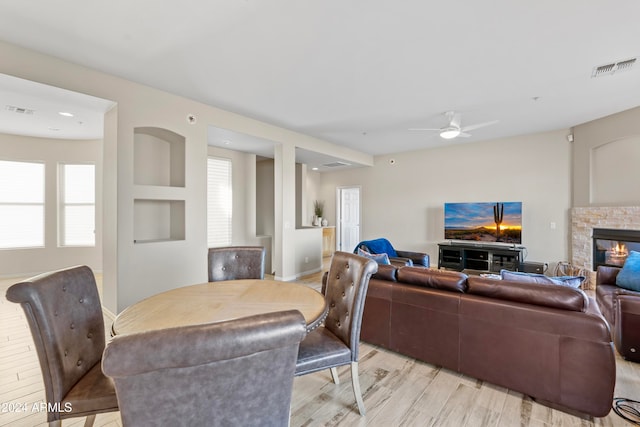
(356, 387)
(90, 420)
(334, 375)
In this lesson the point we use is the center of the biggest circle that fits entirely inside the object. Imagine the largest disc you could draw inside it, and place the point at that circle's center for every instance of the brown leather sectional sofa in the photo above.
(548, 342)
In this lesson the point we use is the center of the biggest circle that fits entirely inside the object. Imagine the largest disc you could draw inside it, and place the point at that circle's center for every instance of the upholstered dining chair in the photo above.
(236, 262)
(65, 317)
(234, 373)
(337, 342)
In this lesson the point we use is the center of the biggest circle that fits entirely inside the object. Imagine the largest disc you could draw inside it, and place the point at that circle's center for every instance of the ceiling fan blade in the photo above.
(423, 129)
(479, 125)
(463, 135)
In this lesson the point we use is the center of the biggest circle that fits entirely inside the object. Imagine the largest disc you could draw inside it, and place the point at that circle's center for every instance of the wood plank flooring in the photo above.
(397, 390)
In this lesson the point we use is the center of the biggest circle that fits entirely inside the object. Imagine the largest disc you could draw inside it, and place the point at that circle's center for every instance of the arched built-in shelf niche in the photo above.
(159, 184)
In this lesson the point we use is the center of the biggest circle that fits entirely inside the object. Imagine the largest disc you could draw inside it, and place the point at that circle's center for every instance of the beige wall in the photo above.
(133, 272)
(594, 145)
(265, 197)
(52, 152)
(404, 201)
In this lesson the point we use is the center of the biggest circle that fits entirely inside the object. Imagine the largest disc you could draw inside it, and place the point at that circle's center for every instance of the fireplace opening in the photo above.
(612, 247)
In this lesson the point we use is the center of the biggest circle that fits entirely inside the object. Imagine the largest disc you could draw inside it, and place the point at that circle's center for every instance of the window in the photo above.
(21, 205)
(77, 205)
(219, 202)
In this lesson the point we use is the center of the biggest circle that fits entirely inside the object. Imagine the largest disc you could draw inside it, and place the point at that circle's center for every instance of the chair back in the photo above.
(238, 372)
(64, 313)
(345, 292)
(236, 262)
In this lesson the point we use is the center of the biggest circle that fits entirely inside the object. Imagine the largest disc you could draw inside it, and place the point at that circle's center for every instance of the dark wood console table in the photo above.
(481, 257)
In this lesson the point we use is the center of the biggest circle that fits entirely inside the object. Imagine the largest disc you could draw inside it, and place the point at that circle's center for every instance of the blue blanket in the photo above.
(378, 246)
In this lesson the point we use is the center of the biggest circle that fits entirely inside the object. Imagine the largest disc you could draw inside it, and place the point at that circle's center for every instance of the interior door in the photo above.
(348, 227)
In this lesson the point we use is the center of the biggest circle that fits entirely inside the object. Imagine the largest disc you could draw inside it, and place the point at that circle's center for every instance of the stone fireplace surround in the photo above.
(585, 219)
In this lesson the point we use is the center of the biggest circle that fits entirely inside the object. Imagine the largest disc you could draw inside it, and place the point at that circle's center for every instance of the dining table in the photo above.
(213, 302)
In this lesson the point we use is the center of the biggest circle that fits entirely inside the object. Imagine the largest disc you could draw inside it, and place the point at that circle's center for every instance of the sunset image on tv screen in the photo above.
(484, 222)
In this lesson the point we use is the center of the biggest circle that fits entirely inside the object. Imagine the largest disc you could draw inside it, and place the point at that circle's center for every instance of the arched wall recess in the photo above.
(159, 178)
(615, 175)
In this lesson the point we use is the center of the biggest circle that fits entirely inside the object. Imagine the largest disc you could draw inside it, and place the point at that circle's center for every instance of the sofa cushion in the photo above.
(561, 297)
(518, 276)
(379, 258)
(431, 278)
(629, 276)
(386, 272)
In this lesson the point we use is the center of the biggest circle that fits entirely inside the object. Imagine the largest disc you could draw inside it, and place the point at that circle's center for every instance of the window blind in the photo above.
(219, 202)
(21, 204)
(77, 207)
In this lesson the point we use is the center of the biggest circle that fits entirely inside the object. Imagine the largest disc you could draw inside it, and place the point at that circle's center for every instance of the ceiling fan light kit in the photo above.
(449, 133)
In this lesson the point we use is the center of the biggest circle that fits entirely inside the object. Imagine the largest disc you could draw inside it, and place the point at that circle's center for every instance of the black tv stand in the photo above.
(479, 256)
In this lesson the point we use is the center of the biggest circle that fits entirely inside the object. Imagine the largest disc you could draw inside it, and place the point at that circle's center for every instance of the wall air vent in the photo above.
(336, 164)
(614, 67)
(19, 110)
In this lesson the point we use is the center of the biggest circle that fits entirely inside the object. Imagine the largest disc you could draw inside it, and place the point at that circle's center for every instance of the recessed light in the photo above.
(54, 129)
(314, 169)
(65, 113)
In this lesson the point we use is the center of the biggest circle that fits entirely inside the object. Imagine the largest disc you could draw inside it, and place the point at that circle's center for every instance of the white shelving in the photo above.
(159, 185)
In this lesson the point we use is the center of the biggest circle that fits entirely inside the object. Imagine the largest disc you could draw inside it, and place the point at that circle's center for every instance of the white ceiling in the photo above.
(360, 72)
(30, 108)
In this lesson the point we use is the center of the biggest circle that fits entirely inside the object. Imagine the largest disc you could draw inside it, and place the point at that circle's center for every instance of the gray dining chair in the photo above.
(337, 342)
(64, 313)
(234, 373)
(236, 262)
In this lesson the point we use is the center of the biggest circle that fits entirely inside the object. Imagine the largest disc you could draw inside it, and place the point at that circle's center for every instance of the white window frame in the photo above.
(219, 202)
(37, 200)
(63, 204)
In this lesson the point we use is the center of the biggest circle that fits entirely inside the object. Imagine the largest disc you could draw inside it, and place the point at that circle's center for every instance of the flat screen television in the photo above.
(490, 222)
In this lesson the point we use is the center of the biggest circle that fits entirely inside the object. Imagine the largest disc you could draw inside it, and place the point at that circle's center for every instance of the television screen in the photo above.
(484, 222)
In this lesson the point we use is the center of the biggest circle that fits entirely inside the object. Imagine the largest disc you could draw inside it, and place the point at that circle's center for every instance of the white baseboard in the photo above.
(298, 275)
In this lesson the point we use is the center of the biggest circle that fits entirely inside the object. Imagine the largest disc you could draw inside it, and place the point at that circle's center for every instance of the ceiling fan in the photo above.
(454, 128)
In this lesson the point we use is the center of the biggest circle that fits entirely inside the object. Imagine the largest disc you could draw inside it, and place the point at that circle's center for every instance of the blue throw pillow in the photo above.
(629, 276)
(518, 276)
(379, 258)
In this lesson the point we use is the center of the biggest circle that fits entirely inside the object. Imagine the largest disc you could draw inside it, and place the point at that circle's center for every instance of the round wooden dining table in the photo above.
(219, 301)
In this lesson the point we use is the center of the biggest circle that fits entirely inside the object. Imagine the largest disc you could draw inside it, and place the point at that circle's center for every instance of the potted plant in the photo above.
(318, 209)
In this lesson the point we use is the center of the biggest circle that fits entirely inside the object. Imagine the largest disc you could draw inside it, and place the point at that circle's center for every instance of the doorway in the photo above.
(348, 214)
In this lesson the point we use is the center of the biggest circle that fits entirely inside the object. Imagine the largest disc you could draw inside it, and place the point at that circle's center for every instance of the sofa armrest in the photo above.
(626, 334)
(418, 258)
(606, 275)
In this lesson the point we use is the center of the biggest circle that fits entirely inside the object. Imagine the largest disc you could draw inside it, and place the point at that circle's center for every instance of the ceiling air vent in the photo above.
(19, 110)
(336, 164)
(614, 67)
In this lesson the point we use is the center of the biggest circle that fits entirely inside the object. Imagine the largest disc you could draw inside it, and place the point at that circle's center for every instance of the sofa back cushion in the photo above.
(430, 278)
(553, 296)
(386, 272)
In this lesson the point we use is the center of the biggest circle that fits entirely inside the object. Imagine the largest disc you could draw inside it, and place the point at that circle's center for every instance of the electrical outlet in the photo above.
(306, 259)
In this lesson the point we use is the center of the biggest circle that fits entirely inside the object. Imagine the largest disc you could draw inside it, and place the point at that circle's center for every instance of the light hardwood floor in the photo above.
(397, 390)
